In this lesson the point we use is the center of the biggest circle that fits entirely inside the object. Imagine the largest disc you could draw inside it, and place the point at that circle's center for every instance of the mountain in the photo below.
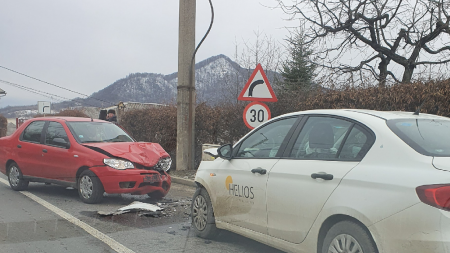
(218, 79)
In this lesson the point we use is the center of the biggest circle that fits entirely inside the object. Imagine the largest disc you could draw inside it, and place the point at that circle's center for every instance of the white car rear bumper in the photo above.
(417, 229)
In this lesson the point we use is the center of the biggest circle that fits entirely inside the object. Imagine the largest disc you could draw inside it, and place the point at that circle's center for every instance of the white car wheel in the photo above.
(203, 220)
(348, 237)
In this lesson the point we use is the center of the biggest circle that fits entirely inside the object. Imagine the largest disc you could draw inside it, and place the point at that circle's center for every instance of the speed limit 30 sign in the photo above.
(255, 114)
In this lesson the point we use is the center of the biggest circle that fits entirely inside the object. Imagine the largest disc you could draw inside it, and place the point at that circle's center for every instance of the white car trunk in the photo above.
(442, 163)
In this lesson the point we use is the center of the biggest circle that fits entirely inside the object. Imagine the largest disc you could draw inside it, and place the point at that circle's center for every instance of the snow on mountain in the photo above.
(213, 76)
(218, 79)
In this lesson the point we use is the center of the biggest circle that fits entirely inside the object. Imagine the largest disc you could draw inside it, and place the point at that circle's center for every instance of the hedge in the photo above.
(3, 125)
(224, 124)
(66, 113)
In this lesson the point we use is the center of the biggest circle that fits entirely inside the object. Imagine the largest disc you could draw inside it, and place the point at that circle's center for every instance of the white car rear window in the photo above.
(429, 137)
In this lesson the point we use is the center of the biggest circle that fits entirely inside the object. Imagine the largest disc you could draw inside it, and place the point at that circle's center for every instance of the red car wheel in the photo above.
(15, 178)
(90, 188)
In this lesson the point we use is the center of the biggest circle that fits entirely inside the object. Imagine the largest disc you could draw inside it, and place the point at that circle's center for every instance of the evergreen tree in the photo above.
(298, 70)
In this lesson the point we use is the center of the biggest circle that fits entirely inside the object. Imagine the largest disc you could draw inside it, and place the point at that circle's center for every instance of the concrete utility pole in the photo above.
(186, 87)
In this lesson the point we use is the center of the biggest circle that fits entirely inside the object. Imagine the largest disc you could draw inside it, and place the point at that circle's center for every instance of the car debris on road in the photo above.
(136, 206)
(164, 207)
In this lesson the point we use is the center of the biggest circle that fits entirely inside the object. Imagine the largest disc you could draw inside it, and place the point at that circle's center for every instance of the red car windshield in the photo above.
(93, 132)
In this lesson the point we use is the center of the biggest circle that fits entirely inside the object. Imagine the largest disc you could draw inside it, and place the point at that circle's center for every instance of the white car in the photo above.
(331, 181)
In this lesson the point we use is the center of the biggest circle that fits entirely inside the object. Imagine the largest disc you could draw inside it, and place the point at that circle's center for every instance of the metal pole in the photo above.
(186, 87)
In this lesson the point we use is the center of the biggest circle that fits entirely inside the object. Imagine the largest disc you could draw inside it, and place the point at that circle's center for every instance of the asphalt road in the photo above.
(50, 218)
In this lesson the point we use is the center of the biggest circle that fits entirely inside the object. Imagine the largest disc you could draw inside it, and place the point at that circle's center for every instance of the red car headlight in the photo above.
(118, 164)
(164, 163)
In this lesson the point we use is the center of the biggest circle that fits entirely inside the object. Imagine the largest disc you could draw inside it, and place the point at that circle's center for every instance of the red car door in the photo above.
(29, 149)
(57, 155)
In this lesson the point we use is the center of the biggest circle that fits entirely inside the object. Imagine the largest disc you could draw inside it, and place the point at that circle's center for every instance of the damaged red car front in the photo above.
(92, 156)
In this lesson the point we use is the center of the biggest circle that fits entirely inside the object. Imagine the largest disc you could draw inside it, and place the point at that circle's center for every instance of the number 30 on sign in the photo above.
(255, 114)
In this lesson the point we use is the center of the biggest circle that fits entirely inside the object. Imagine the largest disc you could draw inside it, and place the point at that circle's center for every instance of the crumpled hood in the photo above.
(144, 153)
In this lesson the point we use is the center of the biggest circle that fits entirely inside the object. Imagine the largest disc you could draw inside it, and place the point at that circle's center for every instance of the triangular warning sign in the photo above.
(258, 88)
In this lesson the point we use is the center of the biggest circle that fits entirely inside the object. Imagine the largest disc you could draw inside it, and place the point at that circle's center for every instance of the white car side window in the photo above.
(265, 142)
(320, 138)
(356, 145)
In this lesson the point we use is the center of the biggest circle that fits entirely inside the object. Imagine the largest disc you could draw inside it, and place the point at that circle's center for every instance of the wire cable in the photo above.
(207, 32)
(60, 100)
(31, 89)
(87, 96)
(45, 94)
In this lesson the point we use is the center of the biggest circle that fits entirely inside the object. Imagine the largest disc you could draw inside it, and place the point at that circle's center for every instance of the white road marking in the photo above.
(94, 232)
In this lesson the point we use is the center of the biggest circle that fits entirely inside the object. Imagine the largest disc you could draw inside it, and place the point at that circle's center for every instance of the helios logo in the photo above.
(237, 190)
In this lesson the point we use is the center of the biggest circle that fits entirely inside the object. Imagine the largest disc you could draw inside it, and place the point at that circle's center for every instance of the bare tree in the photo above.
(264, 50)
(366, 36)
(261, 49)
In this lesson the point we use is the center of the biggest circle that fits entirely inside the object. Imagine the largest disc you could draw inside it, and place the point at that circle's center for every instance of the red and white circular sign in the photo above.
(255, 114)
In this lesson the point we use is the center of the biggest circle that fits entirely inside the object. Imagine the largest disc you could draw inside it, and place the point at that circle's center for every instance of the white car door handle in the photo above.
(324, 176)
(259, 170)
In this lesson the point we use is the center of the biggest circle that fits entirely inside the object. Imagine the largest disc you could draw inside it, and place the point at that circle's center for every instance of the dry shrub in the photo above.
(213, 125)
(157, 124)
(224, 123)
(435, 97)
(72, 113)
(220, 124)
(65, 113)
(3, 126)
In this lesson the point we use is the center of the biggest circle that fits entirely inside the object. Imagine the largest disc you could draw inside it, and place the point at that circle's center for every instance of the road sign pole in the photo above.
(186, 87)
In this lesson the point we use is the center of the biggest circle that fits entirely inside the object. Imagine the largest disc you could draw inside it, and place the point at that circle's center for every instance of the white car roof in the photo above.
(386, 115)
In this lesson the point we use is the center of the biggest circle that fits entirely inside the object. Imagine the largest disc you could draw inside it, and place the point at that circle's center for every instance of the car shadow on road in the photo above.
(53, 190)
(71, 194)
(179, 219)
(249, 244)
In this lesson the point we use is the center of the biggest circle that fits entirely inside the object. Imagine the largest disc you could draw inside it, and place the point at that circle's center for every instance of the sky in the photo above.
(87, 45)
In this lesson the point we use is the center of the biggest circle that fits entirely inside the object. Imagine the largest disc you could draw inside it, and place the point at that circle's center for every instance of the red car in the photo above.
(93, 156)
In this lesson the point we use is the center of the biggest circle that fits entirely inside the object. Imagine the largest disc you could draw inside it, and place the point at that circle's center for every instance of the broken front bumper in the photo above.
(134, 181)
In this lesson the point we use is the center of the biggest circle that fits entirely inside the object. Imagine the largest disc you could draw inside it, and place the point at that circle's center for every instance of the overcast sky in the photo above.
(87, 45)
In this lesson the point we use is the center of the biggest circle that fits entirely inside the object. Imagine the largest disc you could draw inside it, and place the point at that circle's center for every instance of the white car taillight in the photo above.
(437, 195)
